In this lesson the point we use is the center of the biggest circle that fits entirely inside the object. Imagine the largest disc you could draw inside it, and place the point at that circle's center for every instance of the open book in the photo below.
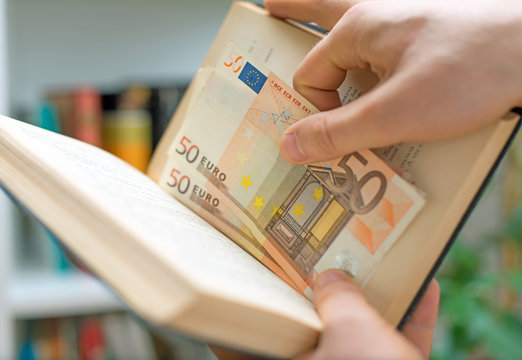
(176, 270)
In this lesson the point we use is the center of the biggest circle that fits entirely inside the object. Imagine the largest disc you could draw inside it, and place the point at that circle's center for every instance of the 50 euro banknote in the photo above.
(193, 191)
(344, 213)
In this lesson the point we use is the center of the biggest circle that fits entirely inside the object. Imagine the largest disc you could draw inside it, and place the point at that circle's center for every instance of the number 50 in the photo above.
(353, 187)
(182, 184)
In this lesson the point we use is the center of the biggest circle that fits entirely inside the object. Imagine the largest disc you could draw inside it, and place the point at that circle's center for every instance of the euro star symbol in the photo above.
(249, 133)
(318, 194)
(265, 117)
(259, 203)
(298, 211)
(274, 211)
(241, 157)
(246, 181)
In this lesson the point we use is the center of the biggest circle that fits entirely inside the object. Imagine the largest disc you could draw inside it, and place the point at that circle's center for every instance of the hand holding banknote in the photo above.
(445, 68)
(225, 163)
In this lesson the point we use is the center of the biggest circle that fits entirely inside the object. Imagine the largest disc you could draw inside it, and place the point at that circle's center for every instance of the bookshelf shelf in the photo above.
(52, 295)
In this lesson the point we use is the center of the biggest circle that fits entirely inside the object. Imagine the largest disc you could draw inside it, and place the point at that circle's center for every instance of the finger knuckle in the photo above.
(299, 80)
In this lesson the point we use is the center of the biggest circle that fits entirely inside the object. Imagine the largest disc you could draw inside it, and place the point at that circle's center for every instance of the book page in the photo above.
(164, 229)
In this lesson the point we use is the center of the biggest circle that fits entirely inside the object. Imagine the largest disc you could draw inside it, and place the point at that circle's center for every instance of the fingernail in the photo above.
(291, 148)
(330, 276)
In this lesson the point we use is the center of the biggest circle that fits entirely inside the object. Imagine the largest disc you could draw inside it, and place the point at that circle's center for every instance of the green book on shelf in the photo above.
(177, 270)
(47, 118)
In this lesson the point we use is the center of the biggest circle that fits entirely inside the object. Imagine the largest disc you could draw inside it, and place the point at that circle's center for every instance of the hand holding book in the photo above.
(435, 83)
(356, 331)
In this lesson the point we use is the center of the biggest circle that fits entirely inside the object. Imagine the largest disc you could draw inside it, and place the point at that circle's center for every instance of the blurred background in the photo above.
(481, 279)
(111, 72)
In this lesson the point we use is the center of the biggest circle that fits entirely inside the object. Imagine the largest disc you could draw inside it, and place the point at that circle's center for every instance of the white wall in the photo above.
(106, 42)
(3, 57)
(6, 333)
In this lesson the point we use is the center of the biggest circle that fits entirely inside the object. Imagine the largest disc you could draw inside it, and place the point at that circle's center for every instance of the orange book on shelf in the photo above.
(87, 116)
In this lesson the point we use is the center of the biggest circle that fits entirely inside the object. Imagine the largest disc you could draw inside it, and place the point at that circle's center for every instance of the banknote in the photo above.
(344, 213)
(191, 190)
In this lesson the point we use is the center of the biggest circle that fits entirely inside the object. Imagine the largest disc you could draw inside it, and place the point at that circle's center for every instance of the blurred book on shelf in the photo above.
(55, 259)
(127, 125)
(127, 122)
(163, 103)
(87, 115)
(111, 336)
(127, 134)
(80, 113)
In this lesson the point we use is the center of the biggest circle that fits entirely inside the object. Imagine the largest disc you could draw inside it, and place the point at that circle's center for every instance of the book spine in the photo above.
(163, 104)
(63, 103)
(128, 135)
(87, 116)
(96, 337)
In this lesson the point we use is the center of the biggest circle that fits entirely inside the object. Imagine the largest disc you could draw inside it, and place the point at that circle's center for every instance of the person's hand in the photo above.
(445, 67)
(354, 330)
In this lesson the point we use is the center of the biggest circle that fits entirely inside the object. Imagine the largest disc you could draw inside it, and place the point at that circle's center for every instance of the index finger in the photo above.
(324, 13)
(324, 69)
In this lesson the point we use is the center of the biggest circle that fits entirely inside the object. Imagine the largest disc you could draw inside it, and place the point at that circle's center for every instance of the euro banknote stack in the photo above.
(297, 220)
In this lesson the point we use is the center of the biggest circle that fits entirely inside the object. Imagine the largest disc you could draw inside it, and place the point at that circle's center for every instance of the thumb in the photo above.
(372, 121)
(352, 327)
(419, 328)
(340, 300)
(394, 111)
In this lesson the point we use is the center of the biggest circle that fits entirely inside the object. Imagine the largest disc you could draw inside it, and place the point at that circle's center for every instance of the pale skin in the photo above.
(446, 68)
(353, 329)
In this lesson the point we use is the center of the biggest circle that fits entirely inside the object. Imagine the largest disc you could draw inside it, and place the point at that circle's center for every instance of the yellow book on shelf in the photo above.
(128, 135)
(188, 274)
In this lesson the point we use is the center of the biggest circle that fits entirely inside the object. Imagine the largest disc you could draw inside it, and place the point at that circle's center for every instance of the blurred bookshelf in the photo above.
(127, 63)
(125, 55)
(480, 314)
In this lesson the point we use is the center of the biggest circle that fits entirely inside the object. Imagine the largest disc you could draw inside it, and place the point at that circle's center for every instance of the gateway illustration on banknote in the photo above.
(313, 214)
